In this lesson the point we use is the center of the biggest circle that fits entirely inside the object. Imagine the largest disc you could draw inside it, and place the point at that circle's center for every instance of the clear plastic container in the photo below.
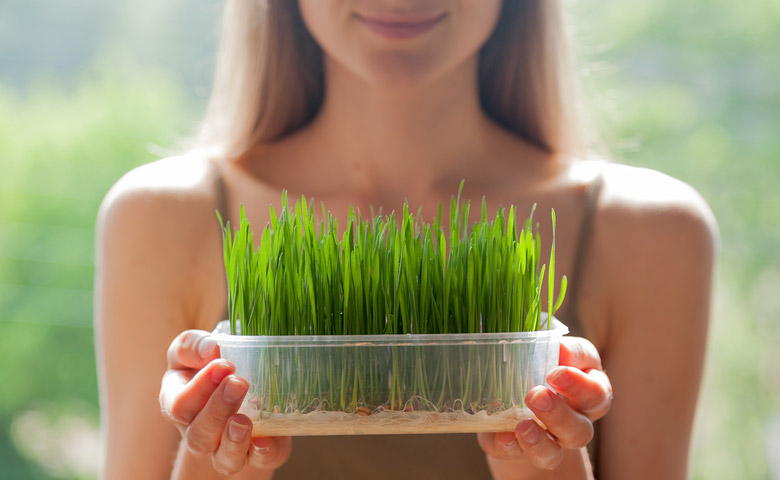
(382, 384)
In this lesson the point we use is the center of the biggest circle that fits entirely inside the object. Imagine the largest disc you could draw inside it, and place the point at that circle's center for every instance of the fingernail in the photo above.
(237, 431)
(541, 400)
(206, 346)
(560, 378)
(234, 389)
(505, 438)
(262, 444)
(529, 431)
(220, 370)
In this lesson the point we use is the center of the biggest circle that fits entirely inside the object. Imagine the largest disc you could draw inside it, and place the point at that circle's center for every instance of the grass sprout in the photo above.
(387, 276)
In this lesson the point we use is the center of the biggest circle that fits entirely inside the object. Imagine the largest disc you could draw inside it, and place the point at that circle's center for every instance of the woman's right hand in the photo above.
(201, 395)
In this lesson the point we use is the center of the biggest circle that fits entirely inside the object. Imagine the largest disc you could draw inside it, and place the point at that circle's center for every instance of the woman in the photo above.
(370, 103)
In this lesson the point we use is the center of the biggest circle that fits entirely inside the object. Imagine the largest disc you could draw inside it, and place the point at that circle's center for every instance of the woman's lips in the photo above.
(400, 26)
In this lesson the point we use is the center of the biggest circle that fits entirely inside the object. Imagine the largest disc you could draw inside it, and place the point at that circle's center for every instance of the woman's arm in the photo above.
(149, 243)
(138, 311)
(664, 238)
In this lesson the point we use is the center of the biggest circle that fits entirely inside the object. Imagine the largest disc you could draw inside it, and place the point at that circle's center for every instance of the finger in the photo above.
(269, 453)
(571, 428)
(192, 349)
(502, 445)
(184, 393)
(538, 446)
(580, 353)
(231, 455)
(590, 393)
(205, 431)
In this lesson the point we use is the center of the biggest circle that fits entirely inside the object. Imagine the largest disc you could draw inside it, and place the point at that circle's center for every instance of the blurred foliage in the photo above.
(61, 149)
(688, 88)
(52, 38)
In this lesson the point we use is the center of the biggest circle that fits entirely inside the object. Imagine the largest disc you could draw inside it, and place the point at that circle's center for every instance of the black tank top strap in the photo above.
(583, 241)
(571, 316)
(221, 205)
(220, 192)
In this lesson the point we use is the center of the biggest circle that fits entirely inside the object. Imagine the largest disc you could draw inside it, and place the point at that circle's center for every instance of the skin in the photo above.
(644, 294)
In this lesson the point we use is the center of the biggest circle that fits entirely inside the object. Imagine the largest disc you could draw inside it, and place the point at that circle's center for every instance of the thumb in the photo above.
(192, 349)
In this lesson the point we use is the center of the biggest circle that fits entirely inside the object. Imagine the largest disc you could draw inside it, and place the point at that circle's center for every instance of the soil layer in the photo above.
(384, 422)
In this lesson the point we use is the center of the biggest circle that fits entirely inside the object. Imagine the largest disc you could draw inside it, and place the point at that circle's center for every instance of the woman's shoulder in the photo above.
(175, 192)
(183, 179)
(162, 212)
(642, 205)
(655, 237)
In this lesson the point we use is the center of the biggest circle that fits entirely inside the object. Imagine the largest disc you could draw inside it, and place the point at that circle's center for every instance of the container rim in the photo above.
(223, 337)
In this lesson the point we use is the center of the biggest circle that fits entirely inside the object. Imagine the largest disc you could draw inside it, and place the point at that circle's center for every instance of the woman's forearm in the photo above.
(574, 466)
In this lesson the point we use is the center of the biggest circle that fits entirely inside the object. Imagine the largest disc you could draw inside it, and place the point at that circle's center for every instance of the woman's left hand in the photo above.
(584, 394)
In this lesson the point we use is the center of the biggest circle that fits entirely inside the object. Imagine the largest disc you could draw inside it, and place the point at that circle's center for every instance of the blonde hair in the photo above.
(269, 77)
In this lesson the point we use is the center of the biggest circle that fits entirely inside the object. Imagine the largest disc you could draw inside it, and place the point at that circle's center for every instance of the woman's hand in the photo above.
(201, 394)
(584, 394)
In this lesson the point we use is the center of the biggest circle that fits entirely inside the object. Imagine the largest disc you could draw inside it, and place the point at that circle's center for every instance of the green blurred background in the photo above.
(89, 89)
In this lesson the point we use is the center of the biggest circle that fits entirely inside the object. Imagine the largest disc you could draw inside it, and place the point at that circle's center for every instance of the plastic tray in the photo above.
(381, 384)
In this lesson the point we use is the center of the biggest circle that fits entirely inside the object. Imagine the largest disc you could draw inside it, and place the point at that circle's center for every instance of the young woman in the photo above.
(370, 103)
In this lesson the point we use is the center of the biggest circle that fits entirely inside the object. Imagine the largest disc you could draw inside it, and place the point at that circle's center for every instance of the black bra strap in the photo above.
(586, 230)
(220, 193)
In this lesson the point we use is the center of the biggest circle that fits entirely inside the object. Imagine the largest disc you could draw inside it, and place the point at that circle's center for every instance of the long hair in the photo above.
(269, 78)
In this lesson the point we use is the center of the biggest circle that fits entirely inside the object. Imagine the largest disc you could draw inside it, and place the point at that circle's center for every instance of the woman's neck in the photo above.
(379, 134)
